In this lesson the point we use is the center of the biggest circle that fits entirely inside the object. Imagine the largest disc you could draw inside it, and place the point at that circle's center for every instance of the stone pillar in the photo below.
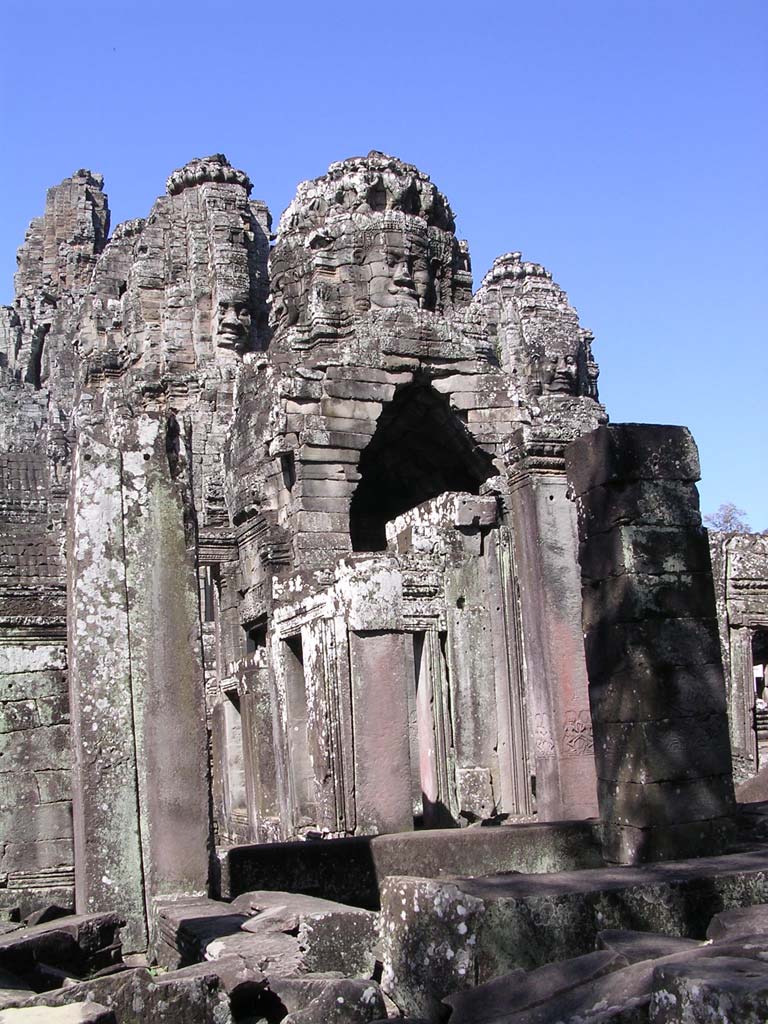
(656, 682)
(138, 705)
(108, 862)
(543, 526)
(379, 663)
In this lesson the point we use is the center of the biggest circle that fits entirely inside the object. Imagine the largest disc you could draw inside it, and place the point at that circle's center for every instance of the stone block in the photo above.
(32, 658)
(27, 855)
(349, 409)
(648, 692)
(187, 928)
(626, 844)
(29, 685)
(631, 451)
(18, 714)
(635, 947)
(331, 936)
(359, 390)
(626, 648)
(54, 785)
(667, 503)
(75, 1013)
(520, 990)
(17, 790)
(429, 942)
(43, 747)
(54, 709)
(635, 597)
(136, 998)
(739, 922)
(645, 805)
(729, 990)
(644, 549)
(663, 750)
(312, 453)
(342, 1001)
(38, 823)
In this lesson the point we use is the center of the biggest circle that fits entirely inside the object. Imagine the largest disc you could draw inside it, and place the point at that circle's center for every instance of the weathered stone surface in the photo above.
(738, 922)
(441, 937)
(662, 744)
(351, 870)
(522, 990)
(317, 1000)
(311, 500)
(330, 936)
(84, 943)
(134, 997)
(344, 1002)
(75, 1013)
(635, 946)
(726, 989)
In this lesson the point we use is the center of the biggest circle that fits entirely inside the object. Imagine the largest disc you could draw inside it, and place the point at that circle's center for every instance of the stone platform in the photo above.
(441, 936)
(353, 870)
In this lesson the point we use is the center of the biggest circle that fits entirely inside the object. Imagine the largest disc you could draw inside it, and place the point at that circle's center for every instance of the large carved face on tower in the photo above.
(233, 321)
(372, 234)
(396, 270)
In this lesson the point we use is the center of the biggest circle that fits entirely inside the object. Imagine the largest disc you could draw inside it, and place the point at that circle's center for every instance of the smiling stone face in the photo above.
(372, 234)
(233, 323)
(397, 271)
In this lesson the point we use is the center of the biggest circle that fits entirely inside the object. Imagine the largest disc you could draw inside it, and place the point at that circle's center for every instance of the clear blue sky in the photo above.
(621, 143)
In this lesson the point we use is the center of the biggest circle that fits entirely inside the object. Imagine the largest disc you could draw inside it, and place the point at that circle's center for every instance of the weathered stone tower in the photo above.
(311, 510)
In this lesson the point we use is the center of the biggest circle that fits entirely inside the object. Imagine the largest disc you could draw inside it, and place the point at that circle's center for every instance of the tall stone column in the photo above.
(543, 524)
(655, 674)
(105, 802)
(140, 747)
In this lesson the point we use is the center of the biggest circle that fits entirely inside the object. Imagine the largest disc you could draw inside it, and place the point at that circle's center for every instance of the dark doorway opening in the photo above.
(420, 449)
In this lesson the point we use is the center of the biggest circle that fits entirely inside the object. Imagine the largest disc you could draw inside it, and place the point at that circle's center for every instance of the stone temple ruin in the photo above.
(313, 561)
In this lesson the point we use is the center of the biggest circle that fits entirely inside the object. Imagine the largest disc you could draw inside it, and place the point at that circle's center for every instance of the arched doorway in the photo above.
(420, 449)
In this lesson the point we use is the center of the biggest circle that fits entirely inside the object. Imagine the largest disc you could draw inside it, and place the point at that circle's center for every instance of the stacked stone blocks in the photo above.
(656, 686)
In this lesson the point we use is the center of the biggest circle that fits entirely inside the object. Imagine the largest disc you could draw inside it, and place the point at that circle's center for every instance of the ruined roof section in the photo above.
(215, 168)
(376, 183)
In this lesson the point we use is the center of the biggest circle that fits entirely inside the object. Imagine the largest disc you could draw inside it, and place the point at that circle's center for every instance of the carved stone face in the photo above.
(398, 272)
(233, 324)
(561, 375)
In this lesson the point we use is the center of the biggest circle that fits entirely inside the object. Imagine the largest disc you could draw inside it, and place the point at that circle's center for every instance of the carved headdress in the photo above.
(373, 232)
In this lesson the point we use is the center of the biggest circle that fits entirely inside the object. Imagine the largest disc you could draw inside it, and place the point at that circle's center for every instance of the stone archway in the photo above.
(420, 449)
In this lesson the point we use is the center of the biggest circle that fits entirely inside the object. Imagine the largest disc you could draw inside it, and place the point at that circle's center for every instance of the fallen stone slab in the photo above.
(76, 1013)
(521, 990)
(325, 1000)
(82, 943)
(50, 913)
(272, 952)
(738, 922)
(331, 936)
(726, 990)
(186, 929)
(636, 946)
(135, 997)
(442, 936)
(12, 988)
